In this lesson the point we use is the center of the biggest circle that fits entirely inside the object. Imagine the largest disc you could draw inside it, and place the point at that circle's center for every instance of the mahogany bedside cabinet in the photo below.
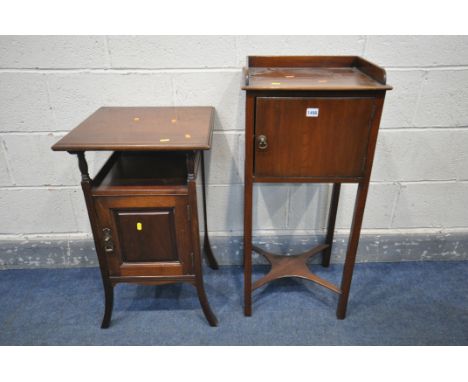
(142, 204)
(310, 120)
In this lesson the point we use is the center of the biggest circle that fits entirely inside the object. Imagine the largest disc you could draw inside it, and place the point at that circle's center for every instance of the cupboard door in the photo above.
(149, 235)
(312, 137)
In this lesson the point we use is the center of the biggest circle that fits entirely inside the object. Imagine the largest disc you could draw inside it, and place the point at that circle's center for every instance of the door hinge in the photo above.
(189, 212)
(192, 260)
(374, 109)
(108, 242)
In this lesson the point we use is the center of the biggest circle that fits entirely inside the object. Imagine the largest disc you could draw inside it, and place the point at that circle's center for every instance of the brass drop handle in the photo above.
(262, 142)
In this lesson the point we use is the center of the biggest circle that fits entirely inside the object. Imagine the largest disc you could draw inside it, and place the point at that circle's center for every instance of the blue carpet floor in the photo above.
(418, 303)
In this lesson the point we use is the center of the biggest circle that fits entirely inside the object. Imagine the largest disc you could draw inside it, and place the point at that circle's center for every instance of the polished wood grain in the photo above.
(331, 145)
(308, 179)
(142, 129)
(191, 160)
(372, 70)
(86, 186)
(152, 280)
(212, 263)
(159, 268)
(146, 169)
(292, 266)
(148, 235)
(358, 215)
(311, 79)
(335, 198)
(283, 145)
(158, 241)
(313, 73)
(248, 200)
(301, 61)
(142, 173)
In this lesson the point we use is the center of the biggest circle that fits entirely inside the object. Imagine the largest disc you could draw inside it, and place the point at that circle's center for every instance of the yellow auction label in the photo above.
(139, 226)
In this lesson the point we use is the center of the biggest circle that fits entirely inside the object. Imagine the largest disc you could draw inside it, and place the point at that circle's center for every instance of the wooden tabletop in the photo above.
(142, 129)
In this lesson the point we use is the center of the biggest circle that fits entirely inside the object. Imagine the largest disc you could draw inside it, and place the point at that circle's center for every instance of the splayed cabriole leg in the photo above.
(206, 241)
(210, 316)
(86, 185)
(196, 256)
(109, 303)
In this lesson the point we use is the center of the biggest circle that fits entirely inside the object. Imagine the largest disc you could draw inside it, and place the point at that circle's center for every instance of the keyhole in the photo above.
(139, 226)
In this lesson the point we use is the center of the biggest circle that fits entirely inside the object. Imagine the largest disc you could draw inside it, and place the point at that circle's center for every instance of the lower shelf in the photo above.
(292, 266)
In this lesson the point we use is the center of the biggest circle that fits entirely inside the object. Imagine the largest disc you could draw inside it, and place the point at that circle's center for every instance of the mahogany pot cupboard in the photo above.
(310, 119)
(142, 204)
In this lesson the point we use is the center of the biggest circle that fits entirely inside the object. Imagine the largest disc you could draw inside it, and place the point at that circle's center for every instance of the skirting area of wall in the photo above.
(228, 249)
(419, 183)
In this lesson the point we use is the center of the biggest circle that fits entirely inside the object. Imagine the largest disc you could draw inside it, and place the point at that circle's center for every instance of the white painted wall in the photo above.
(49, 84)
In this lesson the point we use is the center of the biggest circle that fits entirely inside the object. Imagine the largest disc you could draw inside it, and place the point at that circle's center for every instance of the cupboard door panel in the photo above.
(312, 137)
(147, 235)
(150, 235)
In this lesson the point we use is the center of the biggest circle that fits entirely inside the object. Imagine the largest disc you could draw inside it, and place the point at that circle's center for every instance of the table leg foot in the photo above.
(109, 303)
(212, 263)
(248, 310)
(210, 316)
(341, 309)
